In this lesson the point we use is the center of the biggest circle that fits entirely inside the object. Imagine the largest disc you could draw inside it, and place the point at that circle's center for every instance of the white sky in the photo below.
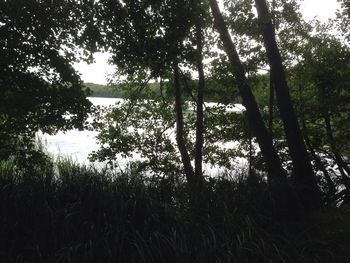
(97, 72)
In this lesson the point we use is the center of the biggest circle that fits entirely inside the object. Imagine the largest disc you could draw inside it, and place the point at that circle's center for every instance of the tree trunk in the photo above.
(303, 175)
(342, 165)
(271, 99)
(319, 163)
(199, 121)
(185, 158)
(276, 174)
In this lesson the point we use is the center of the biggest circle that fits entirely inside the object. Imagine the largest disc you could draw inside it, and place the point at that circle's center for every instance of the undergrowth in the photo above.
(64, 212)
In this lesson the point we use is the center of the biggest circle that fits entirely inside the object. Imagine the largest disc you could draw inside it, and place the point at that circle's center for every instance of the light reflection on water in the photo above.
(74, 143)
(79, 144)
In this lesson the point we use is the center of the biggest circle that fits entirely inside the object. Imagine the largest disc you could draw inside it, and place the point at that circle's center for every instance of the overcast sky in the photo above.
(97, 72)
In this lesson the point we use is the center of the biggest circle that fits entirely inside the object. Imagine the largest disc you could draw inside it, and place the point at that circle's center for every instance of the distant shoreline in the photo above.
(102, 91)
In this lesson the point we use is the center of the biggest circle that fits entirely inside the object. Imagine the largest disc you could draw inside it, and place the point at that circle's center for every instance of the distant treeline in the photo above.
(98, 90)
(120, 90)
(215, 92)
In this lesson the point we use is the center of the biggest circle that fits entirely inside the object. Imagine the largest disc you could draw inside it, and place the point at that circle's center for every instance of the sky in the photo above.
(98, 71)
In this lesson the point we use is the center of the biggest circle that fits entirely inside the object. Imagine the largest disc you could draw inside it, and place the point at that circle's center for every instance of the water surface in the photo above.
(79, 144)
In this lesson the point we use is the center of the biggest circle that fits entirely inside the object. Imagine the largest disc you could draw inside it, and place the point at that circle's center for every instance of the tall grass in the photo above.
(64, 212)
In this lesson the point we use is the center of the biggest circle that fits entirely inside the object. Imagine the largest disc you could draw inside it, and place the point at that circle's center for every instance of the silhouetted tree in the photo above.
(148, 38)
(39, 89)
(276, 174)
(303, 175)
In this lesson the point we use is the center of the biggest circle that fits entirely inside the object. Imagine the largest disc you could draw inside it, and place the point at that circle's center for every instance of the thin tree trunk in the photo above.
(272, 91)
(277, 175)
(250, 170)
(319, 163)
(303, 177)
(199, 121)
(337, 156)
(185, 158)
(271, 100)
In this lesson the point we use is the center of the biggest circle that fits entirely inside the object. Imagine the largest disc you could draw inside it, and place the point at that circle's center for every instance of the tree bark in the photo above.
(271, 100)
(185, 158)
(303, 175)
(272, 91)
(277, 175)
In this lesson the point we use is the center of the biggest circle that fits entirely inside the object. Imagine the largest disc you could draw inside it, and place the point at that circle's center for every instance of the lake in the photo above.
(74, 143)
(79, 144)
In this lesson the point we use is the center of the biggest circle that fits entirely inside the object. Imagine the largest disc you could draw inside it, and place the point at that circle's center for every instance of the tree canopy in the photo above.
(39, 87)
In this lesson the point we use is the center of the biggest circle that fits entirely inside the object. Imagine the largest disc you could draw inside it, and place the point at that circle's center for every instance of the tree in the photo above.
(291, 30)
(200, 91)
(304, 178)
(324, 75)
(343, 17)
(151, 40)
(277, 176)
(39, 87)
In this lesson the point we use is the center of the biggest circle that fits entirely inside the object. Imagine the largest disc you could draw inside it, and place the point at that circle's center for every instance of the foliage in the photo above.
(290, 29)
(144, 129)
(343, 19)
(39, 89)
(148, 36)
(325, 85)
(138, 128)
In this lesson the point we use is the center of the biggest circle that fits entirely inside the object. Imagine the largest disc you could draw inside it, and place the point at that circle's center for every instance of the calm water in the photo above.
(74, 143)
(79, 144)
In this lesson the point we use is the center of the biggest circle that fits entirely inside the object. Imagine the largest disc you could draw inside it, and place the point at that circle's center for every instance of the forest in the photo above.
(180, 67)
(98, 90)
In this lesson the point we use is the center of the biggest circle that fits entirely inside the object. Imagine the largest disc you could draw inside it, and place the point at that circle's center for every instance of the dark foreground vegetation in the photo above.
(63, 212)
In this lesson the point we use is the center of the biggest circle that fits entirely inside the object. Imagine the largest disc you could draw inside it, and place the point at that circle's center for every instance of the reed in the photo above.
(65, 212)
